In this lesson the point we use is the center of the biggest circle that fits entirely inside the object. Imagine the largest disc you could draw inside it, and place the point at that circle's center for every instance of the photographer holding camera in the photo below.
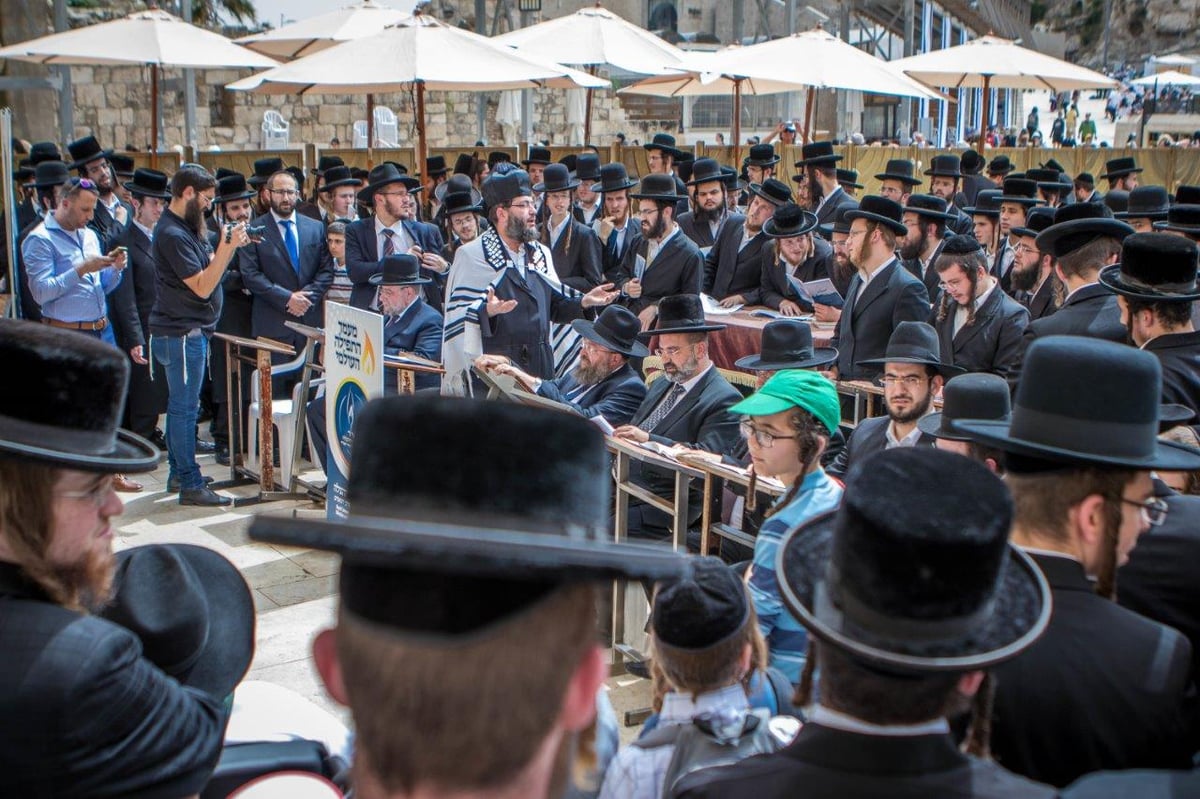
(185, 315)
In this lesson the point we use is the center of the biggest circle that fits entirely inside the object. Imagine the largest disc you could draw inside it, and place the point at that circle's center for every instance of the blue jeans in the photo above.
(184, 358)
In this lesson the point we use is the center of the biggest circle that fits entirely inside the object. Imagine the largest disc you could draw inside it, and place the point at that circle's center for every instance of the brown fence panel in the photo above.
(243, 160)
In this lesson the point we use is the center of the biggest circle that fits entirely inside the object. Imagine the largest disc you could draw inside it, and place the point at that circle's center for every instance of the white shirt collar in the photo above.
(982, 298)
(148, 231)
(281, 219)
(690, 384)
(909, 440)
(380, 227)
(558, 229)
(872, 276)
(659, 244)
(680, 708)
(825, 717)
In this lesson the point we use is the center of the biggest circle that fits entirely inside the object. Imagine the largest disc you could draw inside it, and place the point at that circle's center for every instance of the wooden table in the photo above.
(713, 473)
(407, 367)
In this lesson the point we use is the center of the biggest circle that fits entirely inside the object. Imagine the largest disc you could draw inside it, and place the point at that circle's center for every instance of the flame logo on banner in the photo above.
(368, 356)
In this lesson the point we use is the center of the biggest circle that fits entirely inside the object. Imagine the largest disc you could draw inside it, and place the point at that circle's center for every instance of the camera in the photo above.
(256, 232)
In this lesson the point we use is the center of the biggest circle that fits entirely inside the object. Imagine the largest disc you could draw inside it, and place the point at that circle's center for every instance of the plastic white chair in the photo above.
(275, 130)
(360, 134)
(282, 418)
(387, 129)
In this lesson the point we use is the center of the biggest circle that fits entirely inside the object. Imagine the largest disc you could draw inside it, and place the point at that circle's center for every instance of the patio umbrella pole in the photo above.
(370, 129)
(422, 147)
(809, 102)
(587, 111)
(737, 122)
(987, 113)
(154, 116)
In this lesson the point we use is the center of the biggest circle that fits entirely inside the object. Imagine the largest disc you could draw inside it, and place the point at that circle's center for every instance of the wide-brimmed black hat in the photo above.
(613, 177)
(1077, 225)
(436, 165)
(1147, 202)
(86, 150)
(886, 212)
(657, 187)
(915, 342)
(1036, 220)
(987, 203)
(69, 412)
(587, 167)
(570, 161)
(900, 169)
(497, 157)
(1119, 167)
(326, 163)
(1044, 178)
(773, 191)
(149, 183)
(1117, 201)
(706, 170)
(849, 178)
(191, 610)
(263, 169)
(336, 177)
(385, 175)
(929, 205)
(41, 151)
(24, 172)
(615, 329)
(888, 582)
(1000, 165)
(1020, 191)
(701, 609)
(789, 220)
(787, 344)
(444, 551)
(298, 174)
(680, 313)
(48, 174)
(1187, 195)
(1184, 218)
(1084, 180)
(978, 395)
(666, 143)
(399, 269)
(818, 153)
(761, 155)
(122, 165)
(538, 155)
(556, 177)
(232, 187)
(1086, 401)
(1155, 268)
(733, 181)
(225, 172)
(971, 162)
(464, 164)
(944, 166)
(457, 202)
(500, 190)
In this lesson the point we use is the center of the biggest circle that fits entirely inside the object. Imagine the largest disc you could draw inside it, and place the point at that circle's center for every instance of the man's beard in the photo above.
(514, 228)
(684, 373)
(590, 374)
(915, 412)
(87, 583)
(913, 249)
(193, 215)
(657, 230)
(708, 216)
(864, 255)
(1024, 278)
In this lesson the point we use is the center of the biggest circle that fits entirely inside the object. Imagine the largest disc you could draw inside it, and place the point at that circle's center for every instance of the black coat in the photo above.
(962, 224)
(678, 268)
(577, 257)
(700, 232)
(30, 309)
(827, 214)
(1041, 302)
(110, 232)
(729, 271)
(129, 307)
(523, 334)
(1179, 354)
(869, 437)
(1091, 311)
(363, 259)
(892, 297)
(1103, 688)
(993, 343)
(611, 254)
(927, 274)
(827, 763)
(774, 279)
(616, 397)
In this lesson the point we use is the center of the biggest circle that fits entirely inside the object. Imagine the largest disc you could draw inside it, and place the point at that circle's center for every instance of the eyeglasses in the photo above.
(1024, 248)
(97, 495)
(908, 381)
(402, 193)
(761, 437)
(1154, 511)
(671, 352)
(526, 205)
(855, 233)
(284, 192)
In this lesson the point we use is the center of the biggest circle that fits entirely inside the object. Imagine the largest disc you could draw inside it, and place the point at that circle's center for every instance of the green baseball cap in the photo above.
(795, 388)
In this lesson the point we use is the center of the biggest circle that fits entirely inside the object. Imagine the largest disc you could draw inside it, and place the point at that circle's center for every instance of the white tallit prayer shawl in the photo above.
(478, 265)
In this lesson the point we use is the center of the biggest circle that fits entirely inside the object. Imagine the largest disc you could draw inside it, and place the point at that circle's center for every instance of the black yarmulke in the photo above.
(960, 245)
(702, 609)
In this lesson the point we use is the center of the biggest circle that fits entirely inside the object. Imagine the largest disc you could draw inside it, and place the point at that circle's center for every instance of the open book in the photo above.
(817, 291)
(712, 306)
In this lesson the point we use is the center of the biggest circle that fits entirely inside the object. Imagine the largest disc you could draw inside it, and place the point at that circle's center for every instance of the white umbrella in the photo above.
(1168, 78)
(152, 37)
(308, 36)
(990, 62)
(419, 52)
(596, 37)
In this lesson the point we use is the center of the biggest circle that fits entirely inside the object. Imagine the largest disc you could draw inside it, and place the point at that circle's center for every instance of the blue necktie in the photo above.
(289, 241)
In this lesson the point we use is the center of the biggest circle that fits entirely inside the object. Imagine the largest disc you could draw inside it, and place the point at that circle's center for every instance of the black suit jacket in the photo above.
(678, 268)
(892, 297)
(700, 232)
(962, 224)
(729, 271)
(130, 302)
(774, 277)
(835, 764)
(1179, 354)
(1041, 302)
(1090, 311)
(1103, 688)
(108, 229)
(577, 257)
(993, 343)
(268, 273)
(827, 214)
(613, 255)
(616, 397)
(363, 260)
(927, 274)
(870, 436)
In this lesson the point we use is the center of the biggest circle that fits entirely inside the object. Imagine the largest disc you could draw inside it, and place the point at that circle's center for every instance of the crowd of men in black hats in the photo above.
(993, 599)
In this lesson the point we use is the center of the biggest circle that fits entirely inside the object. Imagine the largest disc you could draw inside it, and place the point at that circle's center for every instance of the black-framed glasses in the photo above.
(284, 192)
(761, 437)
(1153, 510)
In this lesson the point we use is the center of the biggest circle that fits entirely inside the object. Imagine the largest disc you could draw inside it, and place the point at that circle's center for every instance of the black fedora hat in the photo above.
(232, 187)
(971, 162)
(327, 162)
(570, 161)
(664, 142)
(818, 153)
(787, 344)
(385, 175)
(1187, 195)
(789, 220)
(225, 172)
(882, 210)
(149, 183)
(732, 181)
(657, 187)
(900, 169)
(706, 170)
(464, 163)
(68, 414)
(773, 191)
(447, 551)
(1171, 415)
(1048, 179)
(915, 342)
(298, 174)
(191, 610)
(1117, 201)
(336, 177)
(500, 190)
(849, 178)
(944, 166)
(587, 167)
(978, 395)
(41, 151)
(1000, 165)
(538, 155)
(928, 205)
(1146, 202)
(498, 157)
(263, 169)
(1037, 220)
(1119, 167)
(1020, 191)
(436, 165)
(24, 172)
(123, 165)
(86, 150)
(894, 585)
(556, 177)
(987, 203)
(684, 169)
(400, 269)
(1077, 225)
(761, 155)
(1084, 180)
(457, 202)
(615, 329)
(458, 183)
(1184, 218)
(613, 177)
(680, 313)
(1155, 268)
(1086, 401)
(48, 174)
(1051, 163)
